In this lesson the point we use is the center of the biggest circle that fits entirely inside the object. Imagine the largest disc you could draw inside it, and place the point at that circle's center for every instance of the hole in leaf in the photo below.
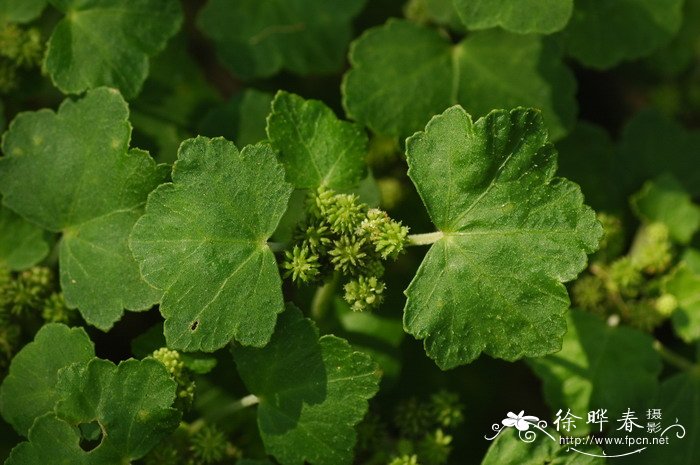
(90, 435)
(194, 325)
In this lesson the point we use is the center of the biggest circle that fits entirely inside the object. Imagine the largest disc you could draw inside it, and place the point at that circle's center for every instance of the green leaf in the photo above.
(131, 404)
(684, 285)
(29, 391)
(72, 172)
(604, 34)
(508, 448)
(312, 391)
(100, 43)
(203, 241)
(522, 16)
(664, 200)
(678, 400)
(487, 70)
(22, 244)
(259, 39)
(315, 147)
(586, 374)
(512, 233)
(242, 119)
(651, 144)
(20, 11)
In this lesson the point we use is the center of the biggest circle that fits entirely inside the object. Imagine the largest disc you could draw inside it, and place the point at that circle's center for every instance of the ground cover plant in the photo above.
(334, 232)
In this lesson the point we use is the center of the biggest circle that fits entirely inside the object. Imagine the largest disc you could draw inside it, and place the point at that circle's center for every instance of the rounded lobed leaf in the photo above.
(511, 234)
(72, 172)
(312, 391)
(29, 391)
(203, 242)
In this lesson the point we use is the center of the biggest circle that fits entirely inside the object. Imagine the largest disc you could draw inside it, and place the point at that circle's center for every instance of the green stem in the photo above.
(277, 246)
(424, 239)
(673, 358)
(323, 298)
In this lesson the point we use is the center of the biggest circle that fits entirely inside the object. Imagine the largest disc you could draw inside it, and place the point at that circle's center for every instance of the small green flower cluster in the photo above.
(20, 49)
(194, 444)
(28, 299)
(176, 367)
(341, 234)
(629, 285)
(418, 433)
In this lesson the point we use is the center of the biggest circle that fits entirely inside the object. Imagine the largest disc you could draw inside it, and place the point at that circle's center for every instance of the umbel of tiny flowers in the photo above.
(342, 235)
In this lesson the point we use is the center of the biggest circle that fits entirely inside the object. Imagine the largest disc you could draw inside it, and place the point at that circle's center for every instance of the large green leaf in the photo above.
(131, 404)
(29, 391)
(315, 147)
(20, 11)
(395, 88)
(509, 448)
(600, 367)
(684, 285)
(22, 244)
(104, 43)
(258, 38)
(522, 16)
(511, 234)
(664, 200)
(312, 392)
(603, 34)
(203, 242)
(73, 172)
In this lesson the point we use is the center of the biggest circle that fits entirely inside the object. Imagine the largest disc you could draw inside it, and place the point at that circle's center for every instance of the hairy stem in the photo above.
(323, 298)
(424, 239)
(673, 358)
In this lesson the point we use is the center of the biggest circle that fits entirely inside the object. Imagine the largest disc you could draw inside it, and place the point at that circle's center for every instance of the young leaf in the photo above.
(585, 375)
(29, 391)
(684, 285)
(72, 172)
(490, 69)
(22, 244)
(101, 43)
(678, 401)
(131, 404)
(511, 234)
(259, 39)
(522, 16)
(20, 11)
(315, 147)
(312, 391)
(203, 241)
(665, 200)
(509, 448)
(602, 35)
